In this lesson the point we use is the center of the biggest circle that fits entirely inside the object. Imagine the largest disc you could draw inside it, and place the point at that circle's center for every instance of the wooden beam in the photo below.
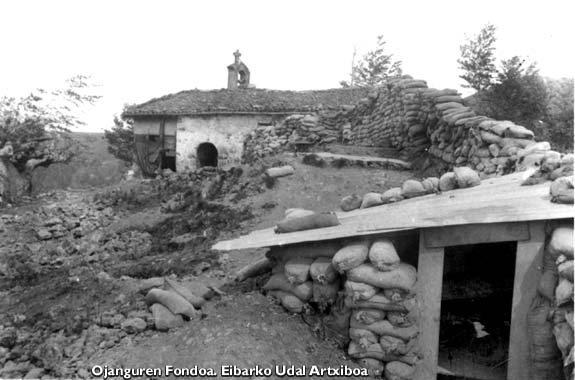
(429, 283)
(476, 233)
(527, 274)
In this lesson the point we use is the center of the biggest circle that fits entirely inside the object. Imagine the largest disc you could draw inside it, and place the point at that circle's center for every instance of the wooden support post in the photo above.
(527, 274)
(429, 283)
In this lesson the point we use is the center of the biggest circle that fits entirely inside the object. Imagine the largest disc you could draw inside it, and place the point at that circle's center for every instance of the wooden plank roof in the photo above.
(496, 200)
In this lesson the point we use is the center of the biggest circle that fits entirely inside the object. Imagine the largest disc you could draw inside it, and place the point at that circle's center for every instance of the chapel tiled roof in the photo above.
(206, 102)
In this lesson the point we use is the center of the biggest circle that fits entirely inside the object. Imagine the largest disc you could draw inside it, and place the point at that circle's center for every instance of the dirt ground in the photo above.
(55, 292)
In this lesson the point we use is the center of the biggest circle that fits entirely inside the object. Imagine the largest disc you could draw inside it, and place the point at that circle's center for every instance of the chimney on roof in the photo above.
(238, 73)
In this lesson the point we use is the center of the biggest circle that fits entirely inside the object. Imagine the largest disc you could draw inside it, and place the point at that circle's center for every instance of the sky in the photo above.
(138, 50)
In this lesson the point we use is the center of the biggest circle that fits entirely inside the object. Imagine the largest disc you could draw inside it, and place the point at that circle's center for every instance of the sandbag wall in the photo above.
(414, 118)
(407, 115)
(303, 274)
(379, 290)
(315, 128)
(550, 318)
(368, 291)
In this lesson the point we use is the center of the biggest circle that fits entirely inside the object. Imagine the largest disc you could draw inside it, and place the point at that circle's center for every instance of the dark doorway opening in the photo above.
(169, 162)
(476, 310)
(207, 155)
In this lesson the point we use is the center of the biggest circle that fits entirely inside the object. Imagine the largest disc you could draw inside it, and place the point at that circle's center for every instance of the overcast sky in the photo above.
(137, 50)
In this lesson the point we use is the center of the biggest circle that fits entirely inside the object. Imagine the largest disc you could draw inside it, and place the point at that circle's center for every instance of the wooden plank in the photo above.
(476, 233)
(429, 283)
(497, 200)
(527, 274)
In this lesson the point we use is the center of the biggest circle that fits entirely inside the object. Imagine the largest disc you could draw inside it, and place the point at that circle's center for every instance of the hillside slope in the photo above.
(93, 167)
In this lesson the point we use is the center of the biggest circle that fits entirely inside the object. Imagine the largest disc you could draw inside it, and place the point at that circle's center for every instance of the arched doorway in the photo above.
(207, 155)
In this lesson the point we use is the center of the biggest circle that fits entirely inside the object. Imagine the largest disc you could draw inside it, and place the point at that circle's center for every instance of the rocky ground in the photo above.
(74, 268)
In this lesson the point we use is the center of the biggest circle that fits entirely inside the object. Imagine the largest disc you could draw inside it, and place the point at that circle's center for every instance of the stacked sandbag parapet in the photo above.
(302, 274)
(560, 249)
(407, 115)
(379, 289)
(315, 128)
(550, 317)
(393, 114)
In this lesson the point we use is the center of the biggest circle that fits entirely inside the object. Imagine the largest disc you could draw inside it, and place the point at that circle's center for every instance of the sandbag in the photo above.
(297, 269)
(561, 190)
(565, 270)
(564, 337)
(547, 284)
(196, 301)
(561, 242)
(490, 138)
(386, 328)
(292, 213)
(383, 256)
(521, 143)
(173, 301)
(350, 256)
(430, 185)
(569, 318)
(325, 293)
(563, 171)
(395, 346)
(282, 171)
(368, 316)
(403, 277)
(567, 159)
(398, 371)
(308, 222)
(321, 249)
(364, 338)
(351, 202)
(322, 271)
(198, 288)
(279, 281)
(374, 367)
(466, 177)
(370, 200)
(396, 295)
(164, 319)
(378, 301)
(290, 302)
(564, 292)
(359, 291)
(509, 150)
(392, 195)
(401, 319)
(412, 188)
(259, 267)
(146, 284)
(545, 357)
(448, 181)
(531, 147)
(518, 132)
(376, 352)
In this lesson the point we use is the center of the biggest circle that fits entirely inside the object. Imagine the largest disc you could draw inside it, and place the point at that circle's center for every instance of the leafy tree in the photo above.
(478, 60)
(121, 139)
(558, 126)
(36, 125)
(519, 94)
(374, 68)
